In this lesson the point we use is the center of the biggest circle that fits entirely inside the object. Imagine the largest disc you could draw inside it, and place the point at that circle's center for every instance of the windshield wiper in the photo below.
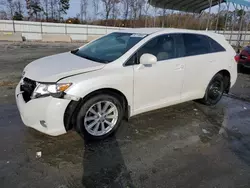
(100, 60)
(74, 51)
(93, 59)
(88, 57)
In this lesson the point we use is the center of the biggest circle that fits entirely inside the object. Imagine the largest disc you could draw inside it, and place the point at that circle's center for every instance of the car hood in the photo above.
(56, 67)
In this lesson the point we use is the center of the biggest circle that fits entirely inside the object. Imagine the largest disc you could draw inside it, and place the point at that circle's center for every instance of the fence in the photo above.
(36, 31)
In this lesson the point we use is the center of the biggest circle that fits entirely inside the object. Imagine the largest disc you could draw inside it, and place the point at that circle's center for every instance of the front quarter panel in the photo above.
(120, 78)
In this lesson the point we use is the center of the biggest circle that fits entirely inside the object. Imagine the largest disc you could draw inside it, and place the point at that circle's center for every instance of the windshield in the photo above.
(109, 47)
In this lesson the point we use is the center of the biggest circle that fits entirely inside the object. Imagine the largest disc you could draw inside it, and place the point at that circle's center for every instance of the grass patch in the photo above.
(7, 83)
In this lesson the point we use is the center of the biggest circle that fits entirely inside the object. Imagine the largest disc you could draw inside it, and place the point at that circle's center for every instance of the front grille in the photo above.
(27, 87)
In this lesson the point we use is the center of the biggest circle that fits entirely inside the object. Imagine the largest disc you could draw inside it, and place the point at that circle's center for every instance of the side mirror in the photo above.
(148, 59)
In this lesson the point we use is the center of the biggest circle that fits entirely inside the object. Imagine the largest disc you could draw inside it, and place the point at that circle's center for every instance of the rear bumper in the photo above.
(43, 114)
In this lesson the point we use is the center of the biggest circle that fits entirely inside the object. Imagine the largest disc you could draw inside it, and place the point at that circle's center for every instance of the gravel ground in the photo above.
(15, 56)
(242, 87)
(187, 145)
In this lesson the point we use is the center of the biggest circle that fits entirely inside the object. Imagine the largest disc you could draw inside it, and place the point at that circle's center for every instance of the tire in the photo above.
(214, 91)
(90, 117)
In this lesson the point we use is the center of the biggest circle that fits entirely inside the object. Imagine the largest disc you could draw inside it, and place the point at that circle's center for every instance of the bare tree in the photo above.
(108, 6)
(146, 9)
(18, 6)
(10, 7)
(83, 10)
(3, 15)
(2, 2)
(125, 6)
(155, 15)
(115, 10)
(46, 9)
(163, 14)
(18, 10)
(34, 8)
(96, 4)
(62, 7)
(52, 4)
(136, 9)
(140, 7)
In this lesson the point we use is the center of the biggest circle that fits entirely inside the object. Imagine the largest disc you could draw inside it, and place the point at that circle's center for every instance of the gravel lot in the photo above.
(187, 145)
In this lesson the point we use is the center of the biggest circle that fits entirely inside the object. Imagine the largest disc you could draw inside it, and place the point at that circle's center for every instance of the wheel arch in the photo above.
(74, 106)
(227, 79)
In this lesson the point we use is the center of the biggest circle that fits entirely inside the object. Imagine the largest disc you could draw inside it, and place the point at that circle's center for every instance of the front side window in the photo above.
(163, 47)
(196, 44)
(109, 47)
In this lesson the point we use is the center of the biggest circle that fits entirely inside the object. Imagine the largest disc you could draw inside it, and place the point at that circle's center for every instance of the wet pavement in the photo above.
(187, 145)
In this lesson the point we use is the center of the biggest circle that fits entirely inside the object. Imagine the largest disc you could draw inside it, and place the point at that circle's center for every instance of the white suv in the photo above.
(91, 89)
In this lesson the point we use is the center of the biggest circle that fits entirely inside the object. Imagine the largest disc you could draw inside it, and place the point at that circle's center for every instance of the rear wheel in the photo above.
(214, 91)
(99, 117)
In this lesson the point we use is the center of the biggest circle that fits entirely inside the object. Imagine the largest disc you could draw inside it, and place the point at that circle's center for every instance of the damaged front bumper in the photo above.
(44, 114)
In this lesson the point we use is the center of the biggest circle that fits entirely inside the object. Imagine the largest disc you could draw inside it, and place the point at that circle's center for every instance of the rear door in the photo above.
(203, 59)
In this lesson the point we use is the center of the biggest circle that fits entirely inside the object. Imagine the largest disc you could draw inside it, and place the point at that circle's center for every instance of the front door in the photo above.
(159, 85)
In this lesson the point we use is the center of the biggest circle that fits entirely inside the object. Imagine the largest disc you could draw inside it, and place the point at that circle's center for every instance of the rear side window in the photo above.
(215, 46)
(196, 44)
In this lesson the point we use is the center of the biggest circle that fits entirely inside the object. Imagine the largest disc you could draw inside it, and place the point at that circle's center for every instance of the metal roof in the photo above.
(240, 2)
(195, 6)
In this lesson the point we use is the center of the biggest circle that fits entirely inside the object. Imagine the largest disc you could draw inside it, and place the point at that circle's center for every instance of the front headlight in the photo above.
(46, 89)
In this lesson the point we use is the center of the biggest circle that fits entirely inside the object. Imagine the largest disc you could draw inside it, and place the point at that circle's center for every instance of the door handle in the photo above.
(179, 67)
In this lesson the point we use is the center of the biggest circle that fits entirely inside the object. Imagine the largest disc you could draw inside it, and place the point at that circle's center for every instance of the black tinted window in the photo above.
(132, 60)
(163, 47)
(196, 44)
(216, 47)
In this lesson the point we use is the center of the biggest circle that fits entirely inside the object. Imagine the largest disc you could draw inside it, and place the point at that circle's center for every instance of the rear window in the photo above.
(215, 46)
(196, 44)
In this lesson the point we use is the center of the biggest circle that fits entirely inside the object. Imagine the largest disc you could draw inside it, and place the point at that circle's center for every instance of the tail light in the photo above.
(237, 58)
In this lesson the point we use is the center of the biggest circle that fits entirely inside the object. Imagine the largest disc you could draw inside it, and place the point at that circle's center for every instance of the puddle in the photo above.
(171, 134)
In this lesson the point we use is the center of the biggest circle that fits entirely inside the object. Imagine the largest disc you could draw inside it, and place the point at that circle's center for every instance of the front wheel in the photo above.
(214, 91)
(99, 117)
